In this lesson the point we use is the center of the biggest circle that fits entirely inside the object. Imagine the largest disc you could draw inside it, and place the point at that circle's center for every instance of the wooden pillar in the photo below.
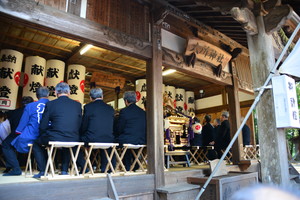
(273, 153)
(234, 115)
(224, 96)
(155, 134)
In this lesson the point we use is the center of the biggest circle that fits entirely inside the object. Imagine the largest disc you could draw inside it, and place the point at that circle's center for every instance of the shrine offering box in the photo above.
(223, 187)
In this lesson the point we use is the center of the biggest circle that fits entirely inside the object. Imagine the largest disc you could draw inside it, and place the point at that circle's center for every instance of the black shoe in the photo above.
(6, 170)
(86, 171)
(39, 175)
(64, 173)
(14, 172)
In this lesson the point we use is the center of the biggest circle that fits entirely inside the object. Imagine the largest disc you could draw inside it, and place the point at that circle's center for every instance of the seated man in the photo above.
(97, 123)
(61, 122)
(131, 125)
(14, 116)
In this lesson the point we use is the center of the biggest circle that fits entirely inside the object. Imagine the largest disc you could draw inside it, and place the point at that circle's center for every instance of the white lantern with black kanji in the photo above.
(10, 68)
(55, 70)
(76, 80)
(180, 100)
(34, 74)
(141, 92)
(190, 102)
(171, 93)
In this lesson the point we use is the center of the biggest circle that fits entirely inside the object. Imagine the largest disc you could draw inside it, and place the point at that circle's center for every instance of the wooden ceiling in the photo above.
(32, 42)
(222, 22)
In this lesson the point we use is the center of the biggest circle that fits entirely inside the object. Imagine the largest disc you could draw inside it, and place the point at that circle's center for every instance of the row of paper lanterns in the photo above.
(184, 101)
(38, 72)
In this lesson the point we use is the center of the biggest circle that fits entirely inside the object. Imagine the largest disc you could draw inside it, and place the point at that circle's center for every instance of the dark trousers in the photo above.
(9, 152)
(104, 160)
(41, 158)
(128, 160)
(81, 161)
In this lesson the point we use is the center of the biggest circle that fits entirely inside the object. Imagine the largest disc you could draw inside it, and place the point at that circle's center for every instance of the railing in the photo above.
(251, 152)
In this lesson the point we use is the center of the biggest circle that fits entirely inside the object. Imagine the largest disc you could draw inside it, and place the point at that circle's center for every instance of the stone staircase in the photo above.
(177, 187)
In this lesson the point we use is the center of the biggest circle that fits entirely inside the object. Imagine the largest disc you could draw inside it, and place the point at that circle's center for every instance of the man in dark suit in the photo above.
(61, 122)
(208, 137)
(224, 133)
(246, 133)
(97, 123)
(14, 117)
(131, 125)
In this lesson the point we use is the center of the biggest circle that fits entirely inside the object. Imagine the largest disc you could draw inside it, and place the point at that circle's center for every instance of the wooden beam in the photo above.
(48, 19)
(235, 115)
(155, 136)
(209, 90)
(243, 104)
(204, 30)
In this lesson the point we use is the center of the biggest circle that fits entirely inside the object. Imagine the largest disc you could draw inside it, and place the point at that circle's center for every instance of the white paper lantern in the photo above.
(197, 128)
(190, 102)
(76, 80)
(55, 70)
(10, 66)
(171, 93)
(141, 92)
(34, 75)
(180, 100)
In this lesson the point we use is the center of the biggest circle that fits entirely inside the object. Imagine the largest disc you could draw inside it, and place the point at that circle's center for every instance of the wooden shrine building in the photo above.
(223, 49)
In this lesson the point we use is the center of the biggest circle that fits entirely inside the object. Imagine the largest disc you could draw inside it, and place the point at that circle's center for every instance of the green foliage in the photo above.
(292, 132)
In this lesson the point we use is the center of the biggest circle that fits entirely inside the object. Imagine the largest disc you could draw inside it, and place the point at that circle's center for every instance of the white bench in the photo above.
(139, 157)
(28, 163)
(52, 151)
(103, 146)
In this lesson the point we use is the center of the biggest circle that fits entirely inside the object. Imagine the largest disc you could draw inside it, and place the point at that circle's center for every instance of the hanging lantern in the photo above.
(180, 100)
(34, 75)
(190, 102)
(171, 93)
(10, 66)
(55, 70)
(76, 80)
(141, 92)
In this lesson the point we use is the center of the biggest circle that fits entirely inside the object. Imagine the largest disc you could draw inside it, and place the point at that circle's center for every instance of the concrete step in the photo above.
(142, 196)
(178, 191)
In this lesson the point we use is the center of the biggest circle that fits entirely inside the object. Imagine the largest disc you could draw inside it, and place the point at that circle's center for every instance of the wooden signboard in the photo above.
(207, 52)
(107, 80)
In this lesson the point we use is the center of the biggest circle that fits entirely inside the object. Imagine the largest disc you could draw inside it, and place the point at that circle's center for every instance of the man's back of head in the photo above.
(62, 88)
(129, 97)
(96, 93)
(42, 92)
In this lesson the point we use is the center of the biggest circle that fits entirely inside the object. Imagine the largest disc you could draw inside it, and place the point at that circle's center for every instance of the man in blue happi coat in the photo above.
(28, 130)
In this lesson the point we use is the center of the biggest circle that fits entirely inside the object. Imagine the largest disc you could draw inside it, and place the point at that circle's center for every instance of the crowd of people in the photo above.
(216, 134)
(61, 119)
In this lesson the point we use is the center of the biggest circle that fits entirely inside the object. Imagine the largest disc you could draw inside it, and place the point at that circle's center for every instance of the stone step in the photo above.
(142, 195)
(178, 191)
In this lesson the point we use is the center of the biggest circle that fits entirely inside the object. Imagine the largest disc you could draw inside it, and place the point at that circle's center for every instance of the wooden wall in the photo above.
(58, 4)
(124, 15)
(127, 16)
